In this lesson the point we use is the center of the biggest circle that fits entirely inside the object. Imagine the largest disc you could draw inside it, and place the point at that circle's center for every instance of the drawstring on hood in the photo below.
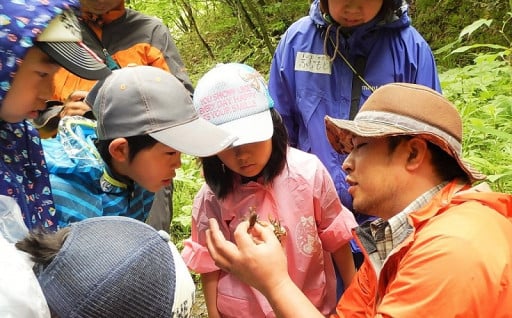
(393, 14)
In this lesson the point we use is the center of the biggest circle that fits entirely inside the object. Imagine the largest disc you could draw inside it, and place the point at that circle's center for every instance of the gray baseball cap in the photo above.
(145, 100)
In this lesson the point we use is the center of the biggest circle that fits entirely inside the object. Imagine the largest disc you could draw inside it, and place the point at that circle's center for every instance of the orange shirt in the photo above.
(456, 263)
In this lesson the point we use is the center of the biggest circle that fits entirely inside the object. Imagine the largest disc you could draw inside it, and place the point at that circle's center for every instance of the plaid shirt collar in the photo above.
(387, 235)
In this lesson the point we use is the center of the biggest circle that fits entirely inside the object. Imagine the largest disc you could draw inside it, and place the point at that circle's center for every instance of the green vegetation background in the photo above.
(470, 40)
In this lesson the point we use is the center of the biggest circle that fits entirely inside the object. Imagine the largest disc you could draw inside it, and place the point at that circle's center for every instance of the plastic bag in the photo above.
(20, 293)
(12, 227)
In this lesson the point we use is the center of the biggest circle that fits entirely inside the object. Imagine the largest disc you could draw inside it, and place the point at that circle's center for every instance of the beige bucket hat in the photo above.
(404, 109)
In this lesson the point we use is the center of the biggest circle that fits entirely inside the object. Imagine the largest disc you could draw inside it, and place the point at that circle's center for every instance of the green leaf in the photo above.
(465, 48)
(475, 26)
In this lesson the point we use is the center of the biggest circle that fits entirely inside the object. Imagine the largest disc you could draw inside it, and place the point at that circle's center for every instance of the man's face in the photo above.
(99, 6)
(350, 13)
(31, 87)
(375, 176)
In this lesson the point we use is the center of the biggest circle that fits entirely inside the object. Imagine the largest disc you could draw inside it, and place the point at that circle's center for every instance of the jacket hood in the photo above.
(393, 15)
(456, 193)
(500, 202)
(20, 23)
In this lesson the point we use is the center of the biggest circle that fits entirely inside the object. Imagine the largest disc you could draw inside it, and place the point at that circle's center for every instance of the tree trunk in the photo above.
(189, 14)
(264, 33)
(247, 16)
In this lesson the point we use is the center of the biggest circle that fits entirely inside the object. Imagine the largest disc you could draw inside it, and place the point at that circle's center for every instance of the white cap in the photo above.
(235, 97)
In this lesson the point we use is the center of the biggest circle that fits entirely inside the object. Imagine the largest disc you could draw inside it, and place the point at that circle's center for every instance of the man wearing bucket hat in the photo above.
(35, 38)
(330, 62)
(439, 246)
(114, 165)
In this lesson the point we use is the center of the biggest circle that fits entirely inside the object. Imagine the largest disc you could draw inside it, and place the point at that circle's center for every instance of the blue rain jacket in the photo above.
(306, 85)
(81, 184)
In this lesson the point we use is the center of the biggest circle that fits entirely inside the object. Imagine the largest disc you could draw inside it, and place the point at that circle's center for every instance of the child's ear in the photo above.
(119, 149)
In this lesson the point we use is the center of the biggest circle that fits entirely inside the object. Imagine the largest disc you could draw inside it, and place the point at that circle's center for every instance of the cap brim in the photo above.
(253, 128)
(45, 116)
(77, 58)
(198, 138)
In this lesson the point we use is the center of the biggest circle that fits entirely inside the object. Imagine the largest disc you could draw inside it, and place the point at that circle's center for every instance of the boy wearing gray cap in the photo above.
(112, 166)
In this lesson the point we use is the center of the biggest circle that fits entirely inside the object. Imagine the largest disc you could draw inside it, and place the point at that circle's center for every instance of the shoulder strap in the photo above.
(357, 85)
(95, 44)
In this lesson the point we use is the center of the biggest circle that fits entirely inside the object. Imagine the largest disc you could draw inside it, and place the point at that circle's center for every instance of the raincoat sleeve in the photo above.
(421, 68)
(335, 221)
(195, 253)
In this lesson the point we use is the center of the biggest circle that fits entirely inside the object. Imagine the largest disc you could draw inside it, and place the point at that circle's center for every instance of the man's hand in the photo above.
(74, 104)
(257, 258)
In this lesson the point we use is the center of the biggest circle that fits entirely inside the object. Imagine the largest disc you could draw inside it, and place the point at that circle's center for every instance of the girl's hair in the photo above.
(222, 180)
(135, 144)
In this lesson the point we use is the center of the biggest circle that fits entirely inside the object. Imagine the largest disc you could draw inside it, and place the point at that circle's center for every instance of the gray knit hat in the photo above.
(111, 267)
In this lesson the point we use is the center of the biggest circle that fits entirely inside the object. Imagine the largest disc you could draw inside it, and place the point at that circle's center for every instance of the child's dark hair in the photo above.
(43, 246)
(135, 143)
(222, 180)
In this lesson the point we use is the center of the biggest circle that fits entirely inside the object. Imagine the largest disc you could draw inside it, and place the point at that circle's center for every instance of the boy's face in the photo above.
(31, 87)
(152, 168)
(350, 13)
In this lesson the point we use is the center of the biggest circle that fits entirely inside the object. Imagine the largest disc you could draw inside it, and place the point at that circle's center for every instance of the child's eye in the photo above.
(42, 74)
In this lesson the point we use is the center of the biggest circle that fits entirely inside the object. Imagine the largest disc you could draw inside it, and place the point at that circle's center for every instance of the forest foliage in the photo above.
(470, 40)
